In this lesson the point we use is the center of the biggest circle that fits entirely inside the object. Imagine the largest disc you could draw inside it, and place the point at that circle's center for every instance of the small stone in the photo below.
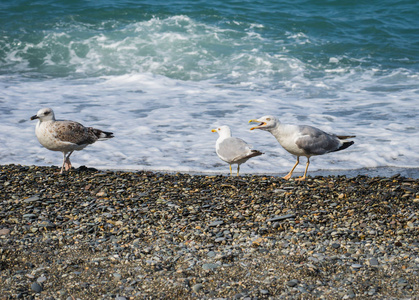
(31, 199)
(29, 216)
(280, 218)
(350, 294)
(402, 282)
(47, 224)
(372, 292)
(356, 266)
(101, 194)
(41, 279)
(120, 298)
(398, 244)
(373, 261)
(292, 282)
(211, 254)
(117, 276)
(37, 288)
(4, 231)
(264, 292)
(335, 246)
(197, 287)
(210, 266)
(216, 223)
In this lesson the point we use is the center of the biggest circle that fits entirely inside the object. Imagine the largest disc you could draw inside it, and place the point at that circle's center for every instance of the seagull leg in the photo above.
(231, 171)
(288, 176)
(305, 173)
(67, 162)
(64, 161)
(238, 170)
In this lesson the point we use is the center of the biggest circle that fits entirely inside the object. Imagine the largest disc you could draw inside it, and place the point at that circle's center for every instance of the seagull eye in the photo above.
(46, 113)
(268, 119)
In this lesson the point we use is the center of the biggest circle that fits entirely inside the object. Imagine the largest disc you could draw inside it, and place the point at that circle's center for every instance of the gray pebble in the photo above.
(211, 254)
(210, 266)
(41, 279)
(279, 218)
(37, 288)
(29, 216)
(373, 261)
(216, 223)
(197, 287)
(31, 199)
(402, 282)
(264, 292)
(335, 245)
(350, 294)
(372, 292)
(292, 282)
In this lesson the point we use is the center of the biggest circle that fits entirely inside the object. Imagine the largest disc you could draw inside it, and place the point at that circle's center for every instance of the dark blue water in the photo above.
(379, 34)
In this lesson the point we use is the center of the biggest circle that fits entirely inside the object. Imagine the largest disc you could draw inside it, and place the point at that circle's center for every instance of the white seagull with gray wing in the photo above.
(302, 140)
(65, 136)
(232, 150)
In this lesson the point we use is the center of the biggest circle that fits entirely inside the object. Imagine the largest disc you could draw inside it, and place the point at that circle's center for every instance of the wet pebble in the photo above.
(151, 235)
(36, 287)
(293, 282)
(197, 287)
(210, 266)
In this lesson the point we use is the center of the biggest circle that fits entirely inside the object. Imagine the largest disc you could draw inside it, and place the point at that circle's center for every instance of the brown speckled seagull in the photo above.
(65, 136)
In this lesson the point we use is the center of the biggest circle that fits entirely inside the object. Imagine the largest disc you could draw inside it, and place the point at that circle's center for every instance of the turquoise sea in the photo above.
(162, 74)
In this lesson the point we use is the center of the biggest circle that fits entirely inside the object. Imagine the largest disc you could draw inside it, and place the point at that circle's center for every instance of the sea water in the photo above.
(161, 74)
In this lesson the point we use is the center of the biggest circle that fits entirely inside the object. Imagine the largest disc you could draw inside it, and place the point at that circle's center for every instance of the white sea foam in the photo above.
(161, 85)
(164, 124)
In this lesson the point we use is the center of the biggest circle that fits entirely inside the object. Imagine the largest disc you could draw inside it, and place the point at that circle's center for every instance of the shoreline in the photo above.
(387, 171)
(93, 234)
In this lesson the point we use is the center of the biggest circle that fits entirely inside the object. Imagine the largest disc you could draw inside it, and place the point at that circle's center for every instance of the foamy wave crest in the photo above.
(177, 47)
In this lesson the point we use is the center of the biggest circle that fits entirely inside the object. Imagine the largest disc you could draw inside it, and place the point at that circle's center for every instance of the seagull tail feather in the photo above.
(344, 146)
(102, 135)
(255, 153)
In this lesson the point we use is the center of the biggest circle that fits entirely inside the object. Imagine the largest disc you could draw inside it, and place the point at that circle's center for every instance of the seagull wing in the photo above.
(316, 142)
(73, 132)
(233, 149)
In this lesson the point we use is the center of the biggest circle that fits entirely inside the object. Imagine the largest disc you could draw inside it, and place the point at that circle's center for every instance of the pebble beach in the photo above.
(94, 234)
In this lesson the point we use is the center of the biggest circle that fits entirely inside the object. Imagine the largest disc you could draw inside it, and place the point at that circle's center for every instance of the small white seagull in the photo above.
(232, 150)
(65, 136)
(302, 140)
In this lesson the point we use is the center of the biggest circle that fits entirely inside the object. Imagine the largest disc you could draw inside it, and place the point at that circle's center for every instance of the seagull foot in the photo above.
(287, 177)
(67, 165)
(300, 179)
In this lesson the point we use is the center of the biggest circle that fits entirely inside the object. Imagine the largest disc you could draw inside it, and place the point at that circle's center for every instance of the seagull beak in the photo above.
(214, 130)
(34, 117)
(256, 121)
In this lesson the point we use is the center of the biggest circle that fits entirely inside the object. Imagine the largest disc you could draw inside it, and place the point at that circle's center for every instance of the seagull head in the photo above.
(266, 123)
(223, 131)
(44, 114)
